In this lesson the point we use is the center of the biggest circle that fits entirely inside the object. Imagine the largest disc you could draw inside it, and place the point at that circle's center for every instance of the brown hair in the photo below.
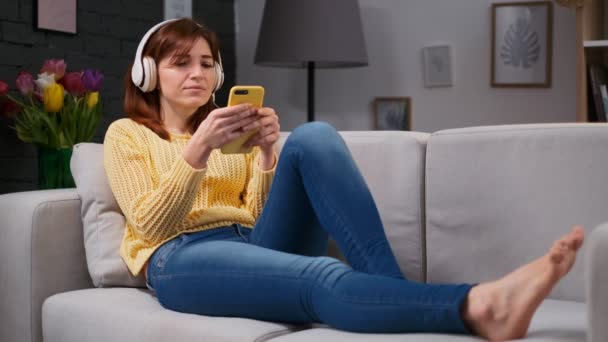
(172, 39)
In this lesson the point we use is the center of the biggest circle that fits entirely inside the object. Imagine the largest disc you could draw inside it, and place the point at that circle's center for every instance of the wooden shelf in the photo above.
(595, 43)
(591, 46)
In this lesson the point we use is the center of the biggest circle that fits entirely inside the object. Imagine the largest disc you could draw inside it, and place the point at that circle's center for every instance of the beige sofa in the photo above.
(462, 205)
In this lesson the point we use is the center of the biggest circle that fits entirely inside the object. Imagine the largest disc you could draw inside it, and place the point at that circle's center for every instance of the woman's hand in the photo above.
(221, 126)
(269, 130)
(266, 137)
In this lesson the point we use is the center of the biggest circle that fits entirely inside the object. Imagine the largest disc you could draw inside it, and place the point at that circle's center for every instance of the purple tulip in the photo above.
(25, 82)
(92, 80)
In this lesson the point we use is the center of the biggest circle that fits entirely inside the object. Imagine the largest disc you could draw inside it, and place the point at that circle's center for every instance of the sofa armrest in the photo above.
(596, 279)
(41, 254)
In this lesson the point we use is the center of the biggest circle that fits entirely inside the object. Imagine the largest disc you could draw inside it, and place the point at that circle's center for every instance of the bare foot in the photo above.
(502, 309)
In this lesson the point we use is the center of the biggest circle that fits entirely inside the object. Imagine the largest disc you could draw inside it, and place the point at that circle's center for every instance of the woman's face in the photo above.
(186, 82)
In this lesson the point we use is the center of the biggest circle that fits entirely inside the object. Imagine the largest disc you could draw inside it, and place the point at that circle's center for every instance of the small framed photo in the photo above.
(437, 60)
(522, 44)
(56, 15)
(392, 113)
(175, 9)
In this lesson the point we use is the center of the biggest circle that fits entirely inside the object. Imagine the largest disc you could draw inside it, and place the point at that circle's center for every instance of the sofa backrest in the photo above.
(497, 197)
(391, 162)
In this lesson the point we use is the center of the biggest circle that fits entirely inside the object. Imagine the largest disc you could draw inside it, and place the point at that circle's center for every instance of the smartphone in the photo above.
(243, 94)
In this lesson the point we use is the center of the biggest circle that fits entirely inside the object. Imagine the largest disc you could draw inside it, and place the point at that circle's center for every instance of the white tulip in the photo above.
(44, 81)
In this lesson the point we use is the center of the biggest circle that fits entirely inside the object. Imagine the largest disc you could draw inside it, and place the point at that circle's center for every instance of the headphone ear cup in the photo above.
(136, 73)
(153, 75)
(149, 74)
(219, 77)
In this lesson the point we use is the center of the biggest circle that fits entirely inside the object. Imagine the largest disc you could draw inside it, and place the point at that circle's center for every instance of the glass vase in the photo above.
(54, 168)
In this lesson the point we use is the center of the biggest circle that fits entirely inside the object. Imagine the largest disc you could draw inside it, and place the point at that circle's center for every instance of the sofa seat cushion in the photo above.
(555, 321)
(133, 314)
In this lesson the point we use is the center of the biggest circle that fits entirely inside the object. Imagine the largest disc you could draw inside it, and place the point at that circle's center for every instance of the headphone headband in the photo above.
(137, 75)
(143, 72)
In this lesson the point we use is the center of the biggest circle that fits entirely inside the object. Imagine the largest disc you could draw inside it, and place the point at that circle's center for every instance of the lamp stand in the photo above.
(311, 91)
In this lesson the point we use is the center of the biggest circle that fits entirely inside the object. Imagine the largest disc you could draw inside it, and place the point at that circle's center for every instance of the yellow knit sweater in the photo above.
(162, 196)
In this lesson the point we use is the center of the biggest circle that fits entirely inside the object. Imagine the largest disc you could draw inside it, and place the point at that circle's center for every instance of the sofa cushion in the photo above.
(128, 314)
(102, 220)
(555, 321)
(381, 156)
(497, 197)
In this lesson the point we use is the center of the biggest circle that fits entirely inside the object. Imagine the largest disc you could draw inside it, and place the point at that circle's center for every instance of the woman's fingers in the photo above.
(260, 122)
(232, 110)
(240, 124)
(266, 130)
(240, 112)
(252, 125)
(230, 115)
(266, 134)
(266, 118)
(258, 139)
(266, 111)
(231, 122)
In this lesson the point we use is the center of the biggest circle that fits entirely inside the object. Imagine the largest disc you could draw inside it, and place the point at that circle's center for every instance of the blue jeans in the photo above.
(276, 272)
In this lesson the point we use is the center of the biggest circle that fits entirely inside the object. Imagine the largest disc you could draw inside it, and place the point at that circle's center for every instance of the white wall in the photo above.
(395, 32)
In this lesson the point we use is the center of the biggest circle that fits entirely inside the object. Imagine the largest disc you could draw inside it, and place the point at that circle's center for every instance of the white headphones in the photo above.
(144, 75)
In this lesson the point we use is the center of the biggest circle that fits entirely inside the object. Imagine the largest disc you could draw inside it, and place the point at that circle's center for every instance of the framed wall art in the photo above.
(437, 65)
(56, 15)
(175, 9)
(521, 44)
(392, 113)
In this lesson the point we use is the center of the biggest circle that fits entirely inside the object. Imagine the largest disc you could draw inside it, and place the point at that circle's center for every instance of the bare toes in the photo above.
(556, 254)
(577, 244)
(579, 237)
(579, 228)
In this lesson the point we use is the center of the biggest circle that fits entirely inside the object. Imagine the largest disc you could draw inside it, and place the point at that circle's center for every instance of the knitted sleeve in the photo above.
(155, 207)
(258, 183)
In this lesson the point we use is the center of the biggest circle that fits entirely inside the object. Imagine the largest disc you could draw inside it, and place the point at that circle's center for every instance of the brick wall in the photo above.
(108, 34)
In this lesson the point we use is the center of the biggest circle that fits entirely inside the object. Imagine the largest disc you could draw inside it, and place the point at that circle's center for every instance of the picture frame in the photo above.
(437, 65)
(56, 15)
(175, 9)
(522, 34)
(392, 113)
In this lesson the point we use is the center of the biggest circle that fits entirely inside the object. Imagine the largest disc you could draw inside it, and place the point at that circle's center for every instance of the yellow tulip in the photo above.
(53, 98)
(92, 99)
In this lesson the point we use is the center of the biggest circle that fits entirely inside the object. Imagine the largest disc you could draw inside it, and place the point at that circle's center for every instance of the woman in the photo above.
(215, 238)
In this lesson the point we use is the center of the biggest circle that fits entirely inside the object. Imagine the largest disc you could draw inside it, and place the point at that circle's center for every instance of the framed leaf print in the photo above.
(522, 44)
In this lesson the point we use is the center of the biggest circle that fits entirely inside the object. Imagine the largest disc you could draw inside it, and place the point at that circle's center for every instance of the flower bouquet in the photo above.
(54, 112)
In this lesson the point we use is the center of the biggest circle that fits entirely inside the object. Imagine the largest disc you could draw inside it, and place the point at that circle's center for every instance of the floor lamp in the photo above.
(311, 34)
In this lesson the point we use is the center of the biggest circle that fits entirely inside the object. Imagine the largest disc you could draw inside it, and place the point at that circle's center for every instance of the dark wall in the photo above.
(108, 34)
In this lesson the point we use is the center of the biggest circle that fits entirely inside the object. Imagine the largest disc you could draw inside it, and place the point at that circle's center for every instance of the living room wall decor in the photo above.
(392, 113)
(175, 9)
(56, 15)
(437, 61)
(521, 44)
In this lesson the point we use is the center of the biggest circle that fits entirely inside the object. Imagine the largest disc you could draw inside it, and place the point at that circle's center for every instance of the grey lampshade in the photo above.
(327, 32)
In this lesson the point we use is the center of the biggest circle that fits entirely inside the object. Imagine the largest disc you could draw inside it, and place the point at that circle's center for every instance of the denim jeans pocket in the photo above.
(160, 257)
